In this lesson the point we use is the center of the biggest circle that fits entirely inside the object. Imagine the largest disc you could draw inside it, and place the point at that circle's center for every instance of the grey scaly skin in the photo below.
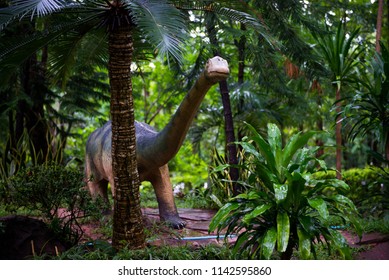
(154, 149)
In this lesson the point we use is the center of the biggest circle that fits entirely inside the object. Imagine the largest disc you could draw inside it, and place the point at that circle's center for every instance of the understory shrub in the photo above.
(284, 207)
(53, 192)
(368, 188)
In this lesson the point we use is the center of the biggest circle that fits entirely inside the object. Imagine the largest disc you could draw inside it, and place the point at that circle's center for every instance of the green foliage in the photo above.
(367, 111)
(339, 53)
(284, 207)
(367, 188)
(57, 193)
(101, 250)
(188, 167)
(376, 225)
(221, 187)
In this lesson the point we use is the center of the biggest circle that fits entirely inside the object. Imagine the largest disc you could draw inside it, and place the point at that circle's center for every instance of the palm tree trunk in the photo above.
(338, 136)
(128, 229)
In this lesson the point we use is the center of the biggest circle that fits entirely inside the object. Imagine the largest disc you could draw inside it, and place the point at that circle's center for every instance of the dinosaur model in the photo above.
(154, 149)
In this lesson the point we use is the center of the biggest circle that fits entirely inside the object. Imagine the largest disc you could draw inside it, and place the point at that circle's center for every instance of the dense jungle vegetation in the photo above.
(310, 73)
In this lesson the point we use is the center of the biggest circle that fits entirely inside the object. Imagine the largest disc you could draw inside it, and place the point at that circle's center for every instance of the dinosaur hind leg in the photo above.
(163, 190)
(100, 188)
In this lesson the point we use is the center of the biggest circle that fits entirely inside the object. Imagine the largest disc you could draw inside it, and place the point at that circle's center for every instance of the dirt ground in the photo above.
(373, 246)
(23, 237)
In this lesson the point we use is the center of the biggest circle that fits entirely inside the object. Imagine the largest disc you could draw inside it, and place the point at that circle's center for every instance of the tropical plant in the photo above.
(368, 110)
(284, 207)
(340, 55)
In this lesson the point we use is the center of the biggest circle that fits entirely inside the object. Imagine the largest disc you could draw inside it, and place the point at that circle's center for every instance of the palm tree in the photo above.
(157, 22)
(341, 58)
(368, 110)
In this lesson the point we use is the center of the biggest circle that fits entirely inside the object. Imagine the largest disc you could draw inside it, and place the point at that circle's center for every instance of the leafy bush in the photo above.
(367, 188)
(284, 207)
(55, 192)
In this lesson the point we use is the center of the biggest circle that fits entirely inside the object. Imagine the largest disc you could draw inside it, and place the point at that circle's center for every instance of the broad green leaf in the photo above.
(252, 195)
(357, 225)
(219, 168)
(242, 239)
(249, 148)
(263, 146)
(304, 244)
(274, 136)
(280, 192)
(275, 141)
(345, 200)
(266, 175)
(319, 185)
(320, 205)
(283, 230)
(341, 244)
(296, 142)
(296, 187)
(308, 223)
(268, 243)
(259, 210)
(222, 214)
(337, 184)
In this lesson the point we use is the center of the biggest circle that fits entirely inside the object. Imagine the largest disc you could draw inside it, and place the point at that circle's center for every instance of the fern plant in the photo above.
(284, 207)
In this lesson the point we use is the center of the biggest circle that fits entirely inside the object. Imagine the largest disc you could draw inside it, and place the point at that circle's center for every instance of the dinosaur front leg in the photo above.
(160, 180)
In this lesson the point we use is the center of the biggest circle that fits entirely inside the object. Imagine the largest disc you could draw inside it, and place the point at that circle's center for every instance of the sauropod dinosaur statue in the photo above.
(154, 149)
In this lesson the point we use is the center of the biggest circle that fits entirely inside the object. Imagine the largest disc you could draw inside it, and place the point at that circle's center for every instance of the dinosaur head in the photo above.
(217, 69)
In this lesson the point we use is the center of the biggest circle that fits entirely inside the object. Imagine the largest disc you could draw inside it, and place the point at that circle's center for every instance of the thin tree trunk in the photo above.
(241, 45)
(231, 150)
(379, 25)
(387, 149)
(230, 135)
(35, 123)
(128, 228)
(319, 120)
(338, 136)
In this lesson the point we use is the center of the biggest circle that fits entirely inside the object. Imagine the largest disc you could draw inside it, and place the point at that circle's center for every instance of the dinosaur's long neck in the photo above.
(165, 145)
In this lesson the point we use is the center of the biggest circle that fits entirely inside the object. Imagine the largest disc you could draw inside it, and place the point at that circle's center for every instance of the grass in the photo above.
(375, 225)
(102, 250)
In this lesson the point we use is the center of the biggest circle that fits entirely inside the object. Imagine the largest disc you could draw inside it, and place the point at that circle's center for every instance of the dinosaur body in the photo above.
(154, 149)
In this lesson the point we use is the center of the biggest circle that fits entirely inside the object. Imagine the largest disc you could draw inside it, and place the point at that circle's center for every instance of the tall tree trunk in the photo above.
(230, 135)
(379, 25)
(241, 45)
(128, 228)
(231, 150)
(319, 120)
(338, 136)
(34, 115)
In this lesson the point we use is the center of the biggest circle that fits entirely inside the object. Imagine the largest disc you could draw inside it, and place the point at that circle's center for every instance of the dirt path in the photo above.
(373, 246)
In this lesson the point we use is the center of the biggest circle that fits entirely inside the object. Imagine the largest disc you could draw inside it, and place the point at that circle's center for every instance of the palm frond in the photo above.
(14, 50)
(237, 11)
(86, 45)
(31, 8)
(162, 24)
